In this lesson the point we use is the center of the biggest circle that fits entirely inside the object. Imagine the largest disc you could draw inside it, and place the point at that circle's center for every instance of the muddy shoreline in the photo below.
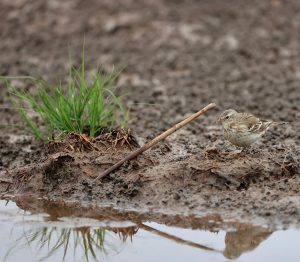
(179, 56)
(263, 193)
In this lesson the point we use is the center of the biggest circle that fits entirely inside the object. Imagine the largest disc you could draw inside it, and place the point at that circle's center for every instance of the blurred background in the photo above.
(178, 55)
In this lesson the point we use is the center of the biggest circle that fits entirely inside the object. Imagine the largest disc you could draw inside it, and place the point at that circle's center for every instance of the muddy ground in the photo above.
(179, 56)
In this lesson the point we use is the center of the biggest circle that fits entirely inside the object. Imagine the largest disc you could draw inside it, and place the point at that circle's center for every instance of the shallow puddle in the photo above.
(54, 233)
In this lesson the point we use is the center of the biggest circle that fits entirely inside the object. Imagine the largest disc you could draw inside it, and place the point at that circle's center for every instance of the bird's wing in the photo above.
(244, 122)
(238, 127)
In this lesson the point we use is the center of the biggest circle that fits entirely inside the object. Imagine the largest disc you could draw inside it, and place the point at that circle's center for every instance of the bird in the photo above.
(243, 129)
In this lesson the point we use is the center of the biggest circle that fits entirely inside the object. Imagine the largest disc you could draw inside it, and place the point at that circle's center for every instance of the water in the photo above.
(50, 233)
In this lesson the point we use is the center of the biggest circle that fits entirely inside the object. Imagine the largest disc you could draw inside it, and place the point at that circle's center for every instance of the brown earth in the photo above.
(179, 56)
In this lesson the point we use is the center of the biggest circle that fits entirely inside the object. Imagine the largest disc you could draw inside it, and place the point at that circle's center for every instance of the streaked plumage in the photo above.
(242, 129)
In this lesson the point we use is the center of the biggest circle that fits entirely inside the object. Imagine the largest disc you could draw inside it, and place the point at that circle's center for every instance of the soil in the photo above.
(179, 56)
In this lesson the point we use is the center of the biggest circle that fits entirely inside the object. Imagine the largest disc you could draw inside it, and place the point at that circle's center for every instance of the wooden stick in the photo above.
(156, 140)
(177, 239)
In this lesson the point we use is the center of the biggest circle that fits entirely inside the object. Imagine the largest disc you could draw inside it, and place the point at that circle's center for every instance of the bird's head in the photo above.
(226, 116)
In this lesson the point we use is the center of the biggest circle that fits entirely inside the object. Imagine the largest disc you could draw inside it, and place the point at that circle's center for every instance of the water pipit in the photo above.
(243, 129)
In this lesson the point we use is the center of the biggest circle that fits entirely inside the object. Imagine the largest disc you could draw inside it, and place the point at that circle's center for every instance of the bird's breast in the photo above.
(241, 139)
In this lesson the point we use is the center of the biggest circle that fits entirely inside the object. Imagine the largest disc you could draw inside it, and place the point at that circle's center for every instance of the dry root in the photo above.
(118, 138)
(73, 142)
(81, 142)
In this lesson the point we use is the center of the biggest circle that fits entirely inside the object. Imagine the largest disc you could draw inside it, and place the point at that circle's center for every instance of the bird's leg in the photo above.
(246, 150)
(242, 152)
(237, 153)
(228, 147)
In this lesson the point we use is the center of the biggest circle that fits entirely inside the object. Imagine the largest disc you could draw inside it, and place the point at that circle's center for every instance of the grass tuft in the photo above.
(81, 107)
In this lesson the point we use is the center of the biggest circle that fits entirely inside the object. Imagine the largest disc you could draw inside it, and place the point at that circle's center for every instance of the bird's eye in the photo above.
(226, 117)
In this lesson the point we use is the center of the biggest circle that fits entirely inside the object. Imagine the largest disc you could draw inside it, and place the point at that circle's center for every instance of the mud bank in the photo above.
(260, 186)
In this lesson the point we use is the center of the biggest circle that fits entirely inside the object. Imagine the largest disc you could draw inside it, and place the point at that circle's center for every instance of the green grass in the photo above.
(80, 106)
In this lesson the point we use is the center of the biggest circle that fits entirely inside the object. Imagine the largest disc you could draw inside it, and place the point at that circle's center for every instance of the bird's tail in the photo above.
(279, 123)
(271, 123)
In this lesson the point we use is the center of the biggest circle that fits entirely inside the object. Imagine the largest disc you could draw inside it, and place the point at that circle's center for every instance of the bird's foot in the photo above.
(246, 150)
(242, 152)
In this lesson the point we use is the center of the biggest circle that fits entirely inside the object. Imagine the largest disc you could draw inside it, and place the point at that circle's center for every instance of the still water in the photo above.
(59, 235)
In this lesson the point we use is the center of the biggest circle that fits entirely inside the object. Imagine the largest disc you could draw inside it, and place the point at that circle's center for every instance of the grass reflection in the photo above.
(91, 243)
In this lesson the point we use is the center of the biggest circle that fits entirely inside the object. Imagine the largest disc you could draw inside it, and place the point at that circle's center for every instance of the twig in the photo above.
(156, 140)
(177, 239)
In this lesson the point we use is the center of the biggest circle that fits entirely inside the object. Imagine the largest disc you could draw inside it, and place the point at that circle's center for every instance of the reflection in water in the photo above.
(62, 232)
(125, 232)
(177, 239)
(244, 240)
(91, 242)
(82, 240)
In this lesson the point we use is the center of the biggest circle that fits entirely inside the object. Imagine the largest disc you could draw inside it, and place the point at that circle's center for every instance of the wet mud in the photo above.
(179, 56)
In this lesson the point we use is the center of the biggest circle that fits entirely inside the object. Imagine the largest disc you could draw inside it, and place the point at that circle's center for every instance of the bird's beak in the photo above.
(218, 120)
